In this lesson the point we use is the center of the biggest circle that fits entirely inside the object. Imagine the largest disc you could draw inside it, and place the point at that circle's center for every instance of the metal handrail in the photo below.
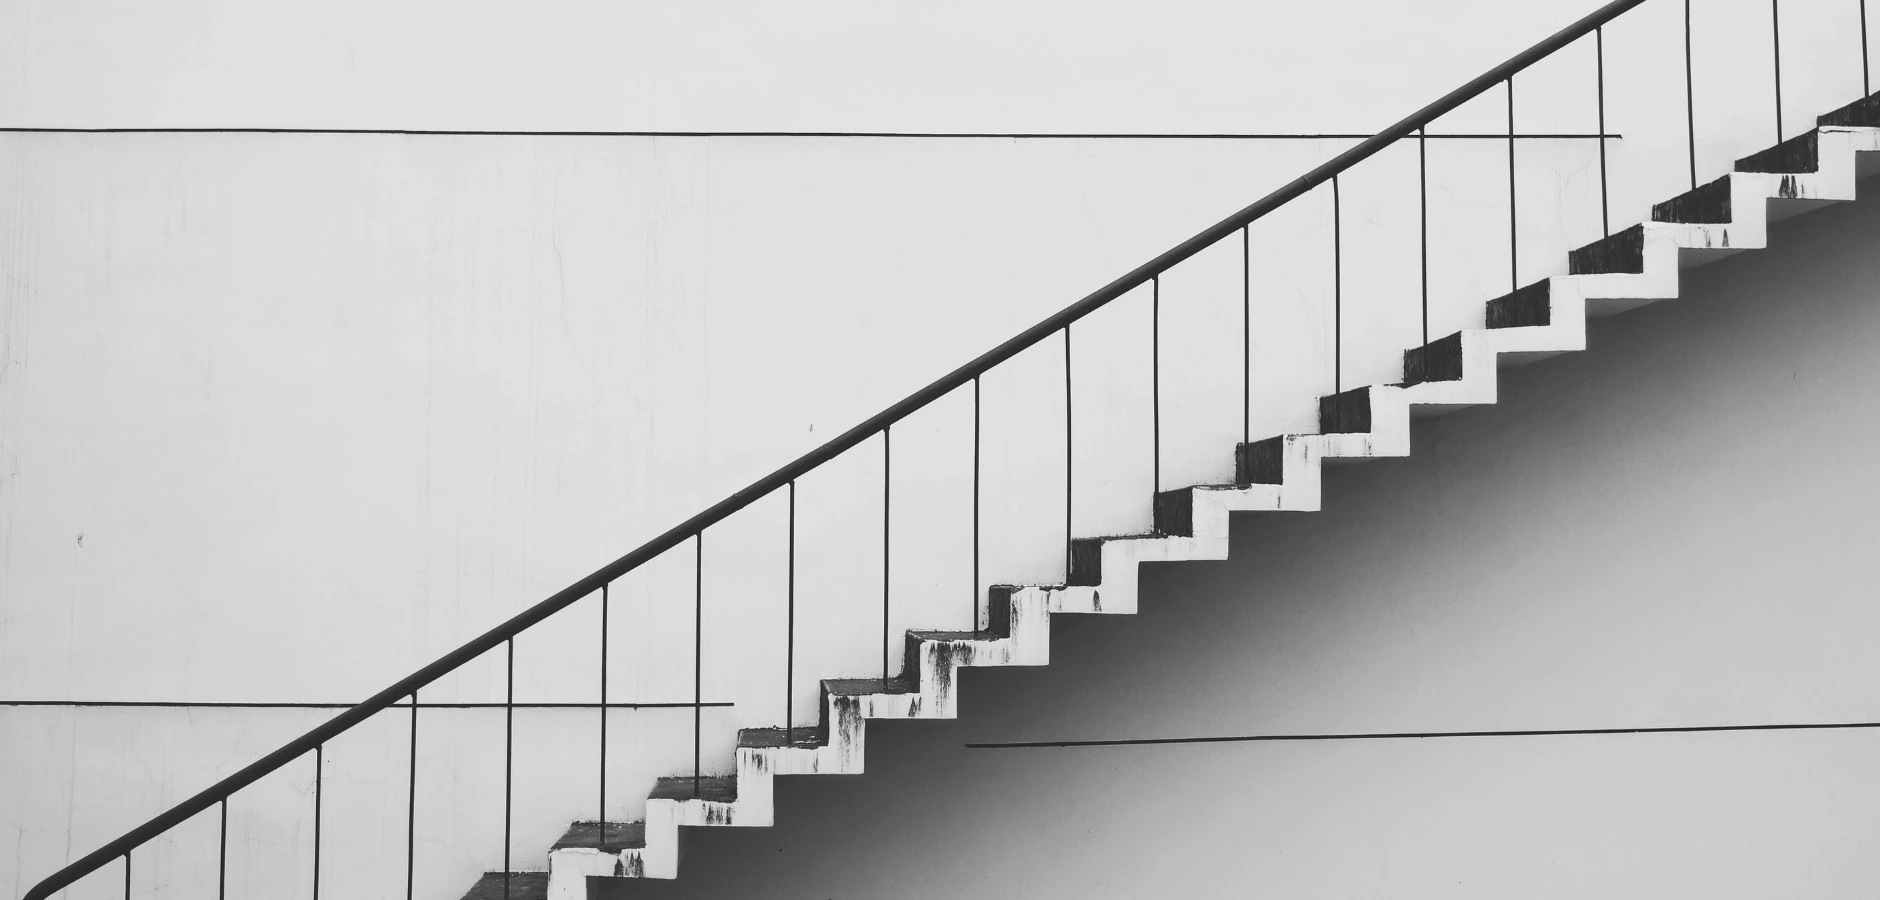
(777, 480)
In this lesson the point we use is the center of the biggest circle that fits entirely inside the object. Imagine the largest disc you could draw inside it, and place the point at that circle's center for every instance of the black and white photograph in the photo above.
(1031, 449)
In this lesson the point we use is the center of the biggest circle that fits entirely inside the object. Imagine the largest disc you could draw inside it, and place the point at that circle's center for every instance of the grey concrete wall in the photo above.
(1203, 66)
(1674, 528)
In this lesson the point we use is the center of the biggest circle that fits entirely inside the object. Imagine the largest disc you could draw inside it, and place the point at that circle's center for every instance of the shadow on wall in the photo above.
(1671, 529)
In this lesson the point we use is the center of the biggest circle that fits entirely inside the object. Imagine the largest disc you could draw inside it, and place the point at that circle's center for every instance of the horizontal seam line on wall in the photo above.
(1400, 735)
(783, 134)
(192, 704)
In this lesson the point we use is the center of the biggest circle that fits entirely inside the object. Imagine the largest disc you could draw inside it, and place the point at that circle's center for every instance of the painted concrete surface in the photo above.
(1195, 66)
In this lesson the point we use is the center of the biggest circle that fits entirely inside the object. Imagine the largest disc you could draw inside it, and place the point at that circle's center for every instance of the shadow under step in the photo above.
(521, 886)
(910, 665)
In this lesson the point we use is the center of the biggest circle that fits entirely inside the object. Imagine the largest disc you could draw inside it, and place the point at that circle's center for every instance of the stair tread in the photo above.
(759, 738)
(617, 836)
(953, 636)
(522, 886)
(852, 687)
(1135, 536)
(715, 788)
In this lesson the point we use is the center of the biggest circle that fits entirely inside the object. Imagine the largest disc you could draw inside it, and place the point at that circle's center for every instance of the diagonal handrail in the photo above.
(763, 487)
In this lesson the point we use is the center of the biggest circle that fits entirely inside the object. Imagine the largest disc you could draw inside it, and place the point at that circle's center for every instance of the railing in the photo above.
(784, 479)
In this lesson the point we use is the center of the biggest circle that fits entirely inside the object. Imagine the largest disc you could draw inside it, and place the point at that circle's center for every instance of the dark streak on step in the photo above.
(947, 657)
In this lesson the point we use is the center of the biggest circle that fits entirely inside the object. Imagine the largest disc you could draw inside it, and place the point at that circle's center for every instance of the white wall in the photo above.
(573, 65)
(324, 406)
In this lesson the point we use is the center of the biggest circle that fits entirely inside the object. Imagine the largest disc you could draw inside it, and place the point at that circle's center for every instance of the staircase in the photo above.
(1630, 268)
(1626, 269)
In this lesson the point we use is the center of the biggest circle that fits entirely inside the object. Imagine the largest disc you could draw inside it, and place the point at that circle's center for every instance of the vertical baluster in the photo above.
(1423, 224)
(1690, 96)
(1338, 295)
(411, 807)
(1155, 377)
(698, 655)
(1514, 241)
(1246, 334)
(1866, 82)
(1599, 64)
(221, 863)
(975, 502)
(127, 875)
(319, 776)
(509, 755)
(789, 627)
(887, 534)
(1067, 454)
(601, 802)
(1775, 42)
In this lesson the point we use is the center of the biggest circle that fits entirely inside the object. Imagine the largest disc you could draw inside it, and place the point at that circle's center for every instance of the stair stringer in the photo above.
(937, 658)
(1020, 632)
